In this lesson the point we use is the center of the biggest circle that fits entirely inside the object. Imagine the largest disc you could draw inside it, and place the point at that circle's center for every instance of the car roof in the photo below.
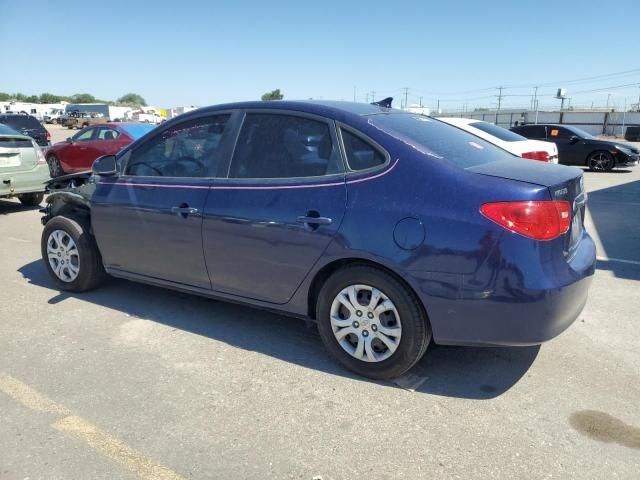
(327, 108)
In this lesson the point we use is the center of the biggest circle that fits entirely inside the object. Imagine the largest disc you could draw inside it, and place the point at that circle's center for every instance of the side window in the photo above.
(559, 132)
(84, 136)
(360, 154)
(284, 146)
(105, 133)
(189, 149)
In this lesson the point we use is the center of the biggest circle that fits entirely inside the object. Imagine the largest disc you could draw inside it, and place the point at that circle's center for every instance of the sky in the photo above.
(207, 52)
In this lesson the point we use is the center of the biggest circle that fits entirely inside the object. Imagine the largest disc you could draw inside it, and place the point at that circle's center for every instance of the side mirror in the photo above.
(69, 139)
(105, 166)
(573, 139)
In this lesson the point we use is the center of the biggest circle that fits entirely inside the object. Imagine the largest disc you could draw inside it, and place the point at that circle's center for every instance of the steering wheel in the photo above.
(150, 167)
(198, 163)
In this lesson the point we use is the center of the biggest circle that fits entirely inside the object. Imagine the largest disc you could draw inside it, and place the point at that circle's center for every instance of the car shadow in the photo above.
(9, 206)
(474, 373)
(614, 211)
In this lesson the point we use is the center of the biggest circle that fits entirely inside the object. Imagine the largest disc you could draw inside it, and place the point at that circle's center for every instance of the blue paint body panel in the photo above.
(479, 283)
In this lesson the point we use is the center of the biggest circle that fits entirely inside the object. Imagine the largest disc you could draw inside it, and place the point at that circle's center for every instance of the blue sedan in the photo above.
(388, 229)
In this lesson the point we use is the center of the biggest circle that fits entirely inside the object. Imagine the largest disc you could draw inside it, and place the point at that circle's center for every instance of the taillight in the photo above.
(540, 156)
(540, 220)
(48, 136)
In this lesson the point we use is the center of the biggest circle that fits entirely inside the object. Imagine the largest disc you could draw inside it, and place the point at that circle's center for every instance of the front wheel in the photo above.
(600, 161)
(71, 254)
(55, 169)
(31, 199)
(371, 323)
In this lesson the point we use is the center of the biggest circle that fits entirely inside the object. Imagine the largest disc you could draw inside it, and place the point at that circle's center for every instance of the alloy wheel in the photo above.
(366, 323)
(600, 161)
(63, 255)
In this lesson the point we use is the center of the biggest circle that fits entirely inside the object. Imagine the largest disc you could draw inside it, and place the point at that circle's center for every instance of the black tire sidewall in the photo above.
(31, 199)
(91, 271)
(416, 332)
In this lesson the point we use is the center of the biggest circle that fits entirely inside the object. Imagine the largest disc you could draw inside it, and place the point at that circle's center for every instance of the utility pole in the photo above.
(420, 100)
(608, 98)
(438, 109)
(354, 93)
(373, 95)
(500, 97)
(406, 94)
(366, 97)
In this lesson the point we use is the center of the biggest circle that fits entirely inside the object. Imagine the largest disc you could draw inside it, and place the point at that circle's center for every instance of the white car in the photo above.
(506, 139)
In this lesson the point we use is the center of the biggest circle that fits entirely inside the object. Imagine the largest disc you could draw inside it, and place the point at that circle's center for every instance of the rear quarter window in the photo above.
(440, 139)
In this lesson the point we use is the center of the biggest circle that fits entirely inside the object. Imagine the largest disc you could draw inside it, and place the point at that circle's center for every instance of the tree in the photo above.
(83, 98)
(132, 99)
(273, 95)
(4, 97)
(49, 98)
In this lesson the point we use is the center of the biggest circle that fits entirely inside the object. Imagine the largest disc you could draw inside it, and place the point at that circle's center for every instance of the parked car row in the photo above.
(577, 147)
(388, 229)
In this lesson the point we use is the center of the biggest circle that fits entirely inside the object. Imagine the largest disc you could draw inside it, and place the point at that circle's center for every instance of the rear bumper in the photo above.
(32, 181)
(509, 314)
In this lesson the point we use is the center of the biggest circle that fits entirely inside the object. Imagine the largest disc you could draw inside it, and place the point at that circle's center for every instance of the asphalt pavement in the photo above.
(133, 381)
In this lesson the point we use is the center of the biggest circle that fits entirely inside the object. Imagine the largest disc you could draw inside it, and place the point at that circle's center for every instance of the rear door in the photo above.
(148, 221)
(268, 223)
(110, 141)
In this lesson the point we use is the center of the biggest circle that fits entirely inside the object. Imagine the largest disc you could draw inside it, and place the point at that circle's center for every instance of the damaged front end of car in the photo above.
(69, 194)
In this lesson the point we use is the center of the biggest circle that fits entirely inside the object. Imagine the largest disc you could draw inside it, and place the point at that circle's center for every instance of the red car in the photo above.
(77, 153)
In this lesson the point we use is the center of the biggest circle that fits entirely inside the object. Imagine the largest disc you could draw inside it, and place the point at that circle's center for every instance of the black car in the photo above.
(27, 125)
(577, 147)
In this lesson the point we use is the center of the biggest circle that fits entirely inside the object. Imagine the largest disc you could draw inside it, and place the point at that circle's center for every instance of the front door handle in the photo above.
(184, 210)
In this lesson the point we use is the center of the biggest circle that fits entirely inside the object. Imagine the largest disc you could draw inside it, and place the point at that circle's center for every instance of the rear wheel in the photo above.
(71, 254)
(600, 161)
(55, 169)
(371, 323)
(31, 199)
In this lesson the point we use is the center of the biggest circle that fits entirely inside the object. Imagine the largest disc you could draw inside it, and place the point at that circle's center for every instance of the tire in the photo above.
(600, 161)
(31, 199)
(55, 169)
(415, 331)
(88, 261)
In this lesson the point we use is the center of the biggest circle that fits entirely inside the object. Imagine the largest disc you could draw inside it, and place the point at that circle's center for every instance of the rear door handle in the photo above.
(315, 220)
(184, 211)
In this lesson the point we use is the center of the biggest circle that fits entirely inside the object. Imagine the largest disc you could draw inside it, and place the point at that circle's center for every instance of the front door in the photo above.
(148, 221)
(568, 151)
(267, 224)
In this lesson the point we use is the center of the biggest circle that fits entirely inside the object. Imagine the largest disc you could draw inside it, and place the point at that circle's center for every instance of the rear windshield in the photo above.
(498, 132)
(21, 121)
(450, 143)
(136, 131)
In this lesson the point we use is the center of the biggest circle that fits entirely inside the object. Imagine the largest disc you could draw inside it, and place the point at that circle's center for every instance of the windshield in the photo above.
(137, 130)
(440, 139)
(498, 132)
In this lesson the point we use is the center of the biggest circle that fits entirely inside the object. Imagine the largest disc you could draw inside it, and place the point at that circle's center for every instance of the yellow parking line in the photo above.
(114, 449)
(29, 397)
(101, 441)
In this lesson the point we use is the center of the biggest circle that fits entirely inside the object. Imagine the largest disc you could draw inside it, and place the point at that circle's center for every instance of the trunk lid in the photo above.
(563, 183)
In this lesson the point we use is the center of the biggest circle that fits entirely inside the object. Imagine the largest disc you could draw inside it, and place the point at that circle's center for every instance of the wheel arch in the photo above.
(323, 274)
